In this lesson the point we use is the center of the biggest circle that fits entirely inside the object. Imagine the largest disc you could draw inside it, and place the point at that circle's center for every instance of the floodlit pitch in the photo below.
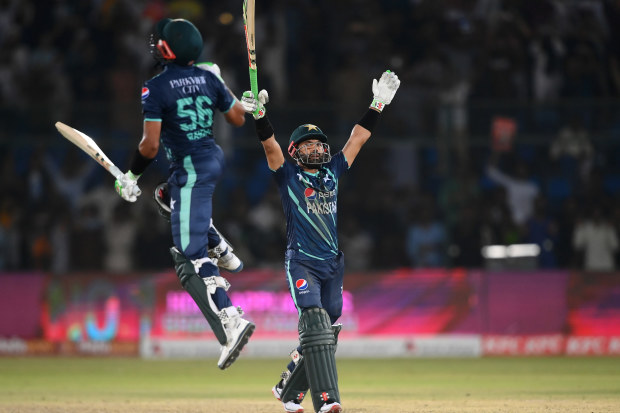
(88, 385)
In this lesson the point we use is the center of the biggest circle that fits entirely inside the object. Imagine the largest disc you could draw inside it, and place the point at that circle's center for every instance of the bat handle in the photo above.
(114, 171)
(254, 84)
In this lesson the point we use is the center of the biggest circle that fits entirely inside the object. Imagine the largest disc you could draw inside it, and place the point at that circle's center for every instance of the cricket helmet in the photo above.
(303, 133)
(162, 199)
(177, 40)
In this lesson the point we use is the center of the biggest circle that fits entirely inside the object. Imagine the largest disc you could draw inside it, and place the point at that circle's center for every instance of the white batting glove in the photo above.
(384, 90)
(250, 104)
(210, 67)
(126, 186)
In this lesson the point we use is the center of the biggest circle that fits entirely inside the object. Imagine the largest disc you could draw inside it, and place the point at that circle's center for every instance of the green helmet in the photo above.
(179, 41)
(303, 133)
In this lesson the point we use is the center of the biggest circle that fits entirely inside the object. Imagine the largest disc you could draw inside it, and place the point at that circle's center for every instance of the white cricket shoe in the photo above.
(230, 262)
(226, 259)
(334, 407)
(238, 333)
(292, 407)
(277, 390)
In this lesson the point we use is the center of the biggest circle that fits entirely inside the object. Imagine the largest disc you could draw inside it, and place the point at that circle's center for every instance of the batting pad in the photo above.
(197, 289)
(318, 345)
(297, 384)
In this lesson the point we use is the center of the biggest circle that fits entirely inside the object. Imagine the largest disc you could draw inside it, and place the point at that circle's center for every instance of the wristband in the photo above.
(139, 163)
(369, 120)
(264, 130)
(377, 105)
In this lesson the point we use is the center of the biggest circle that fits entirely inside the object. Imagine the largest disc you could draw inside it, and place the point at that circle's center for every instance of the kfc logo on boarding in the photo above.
(310, 194)
(301, 284)
(145, 93)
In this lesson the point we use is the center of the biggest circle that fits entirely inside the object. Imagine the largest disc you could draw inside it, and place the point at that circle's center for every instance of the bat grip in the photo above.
(114, 171)
(254, 84)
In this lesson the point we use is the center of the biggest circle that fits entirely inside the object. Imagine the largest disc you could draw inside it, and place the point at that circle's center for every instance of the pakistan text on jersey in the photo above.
(321, 207)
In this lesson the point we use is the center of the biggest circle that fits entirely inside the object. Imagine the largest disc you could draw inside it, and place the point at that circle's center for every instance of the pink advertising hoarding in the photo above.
(21, 298)
(403, 302)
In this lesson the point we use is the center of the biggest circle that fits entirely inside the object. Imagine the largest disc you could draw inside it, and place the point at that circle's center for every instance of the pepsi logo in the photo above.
(301, 284)
(145, 93)
(310, 194)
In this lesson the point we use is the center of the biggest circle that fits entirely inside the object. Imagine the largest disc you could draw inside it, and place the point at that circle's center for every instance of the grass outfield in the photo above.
(490, 385)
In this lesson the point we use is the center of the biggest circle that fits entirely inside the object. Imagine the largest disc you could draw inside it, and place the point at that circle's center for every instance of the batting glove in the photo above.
(210, 67)
(250, 104)
(384, 90)
(126, 186)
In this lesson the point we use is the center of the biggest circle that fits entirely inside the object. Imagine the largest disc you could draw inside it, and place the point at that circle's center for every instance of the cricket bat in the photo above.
(88, 145)
(250, 40)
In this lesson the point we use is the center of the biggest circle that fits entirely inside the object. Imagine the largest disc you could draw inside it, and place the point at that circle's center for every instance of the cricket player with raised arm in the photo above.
(178, 106)
(314, 265)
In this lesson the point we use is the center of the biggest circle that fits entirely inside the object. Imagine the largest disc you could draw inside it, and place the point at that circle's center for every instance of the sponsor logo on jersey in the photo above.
(187, 81)
(310, 194)
(301, 284)
(145, 93)
(188, 84)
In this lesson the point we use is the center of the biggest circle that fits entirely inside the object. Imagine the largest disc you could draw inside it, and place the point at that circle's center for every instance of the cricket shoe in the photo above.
(226, 259)
(238, 333)
(292, 406)
(330, 407)
(277, 390)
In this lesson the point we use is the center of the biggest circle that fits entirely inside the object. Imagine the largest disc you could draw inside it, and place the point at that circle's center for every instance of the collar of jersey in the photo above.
(176, 66)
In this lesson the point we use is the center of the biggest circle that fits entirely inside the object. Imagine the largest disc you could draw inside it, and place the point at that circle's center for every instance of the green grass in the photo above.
(397, 385)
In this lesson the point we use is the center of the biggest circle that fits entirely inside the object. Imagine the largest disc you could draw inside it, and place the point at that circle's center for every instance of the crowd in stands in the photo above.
(432, 187)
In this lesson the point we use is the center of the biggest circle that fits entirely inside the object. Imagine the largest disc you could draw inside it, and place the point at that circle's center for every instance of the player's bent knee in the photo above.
(183, 267)
(315, 328)
(200, 290)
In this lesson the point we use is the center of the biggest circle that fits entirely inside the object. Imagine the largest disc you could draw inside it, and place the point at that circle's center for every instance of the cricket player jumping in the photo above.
(314, 264)
(178, 106)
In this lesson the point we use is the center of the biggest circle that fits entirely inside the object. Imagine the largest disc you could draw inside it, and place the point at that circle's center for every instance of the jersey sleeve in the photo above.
(338, 164)
(225, 99)
(151, 107)
(283, 173)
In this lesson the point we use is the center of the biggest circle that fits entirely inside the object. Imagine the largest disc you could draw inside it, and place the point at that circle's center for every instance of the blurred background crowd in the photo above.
(504, 131)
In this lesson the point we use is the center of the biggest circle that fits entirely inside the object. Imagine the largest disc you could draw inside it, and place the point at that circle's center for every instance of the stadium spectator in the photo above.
(426, 239)
(466, 239)
(572, 149)
(541, 229)
(521, 192)
(71, 177)
(119, 237)
(357, 243)
(596, 238)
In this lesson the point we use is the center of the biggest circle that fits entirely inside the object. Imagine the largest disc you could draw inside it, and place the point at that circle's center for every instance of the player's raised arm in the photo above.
(383, 92)
(264, 130)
